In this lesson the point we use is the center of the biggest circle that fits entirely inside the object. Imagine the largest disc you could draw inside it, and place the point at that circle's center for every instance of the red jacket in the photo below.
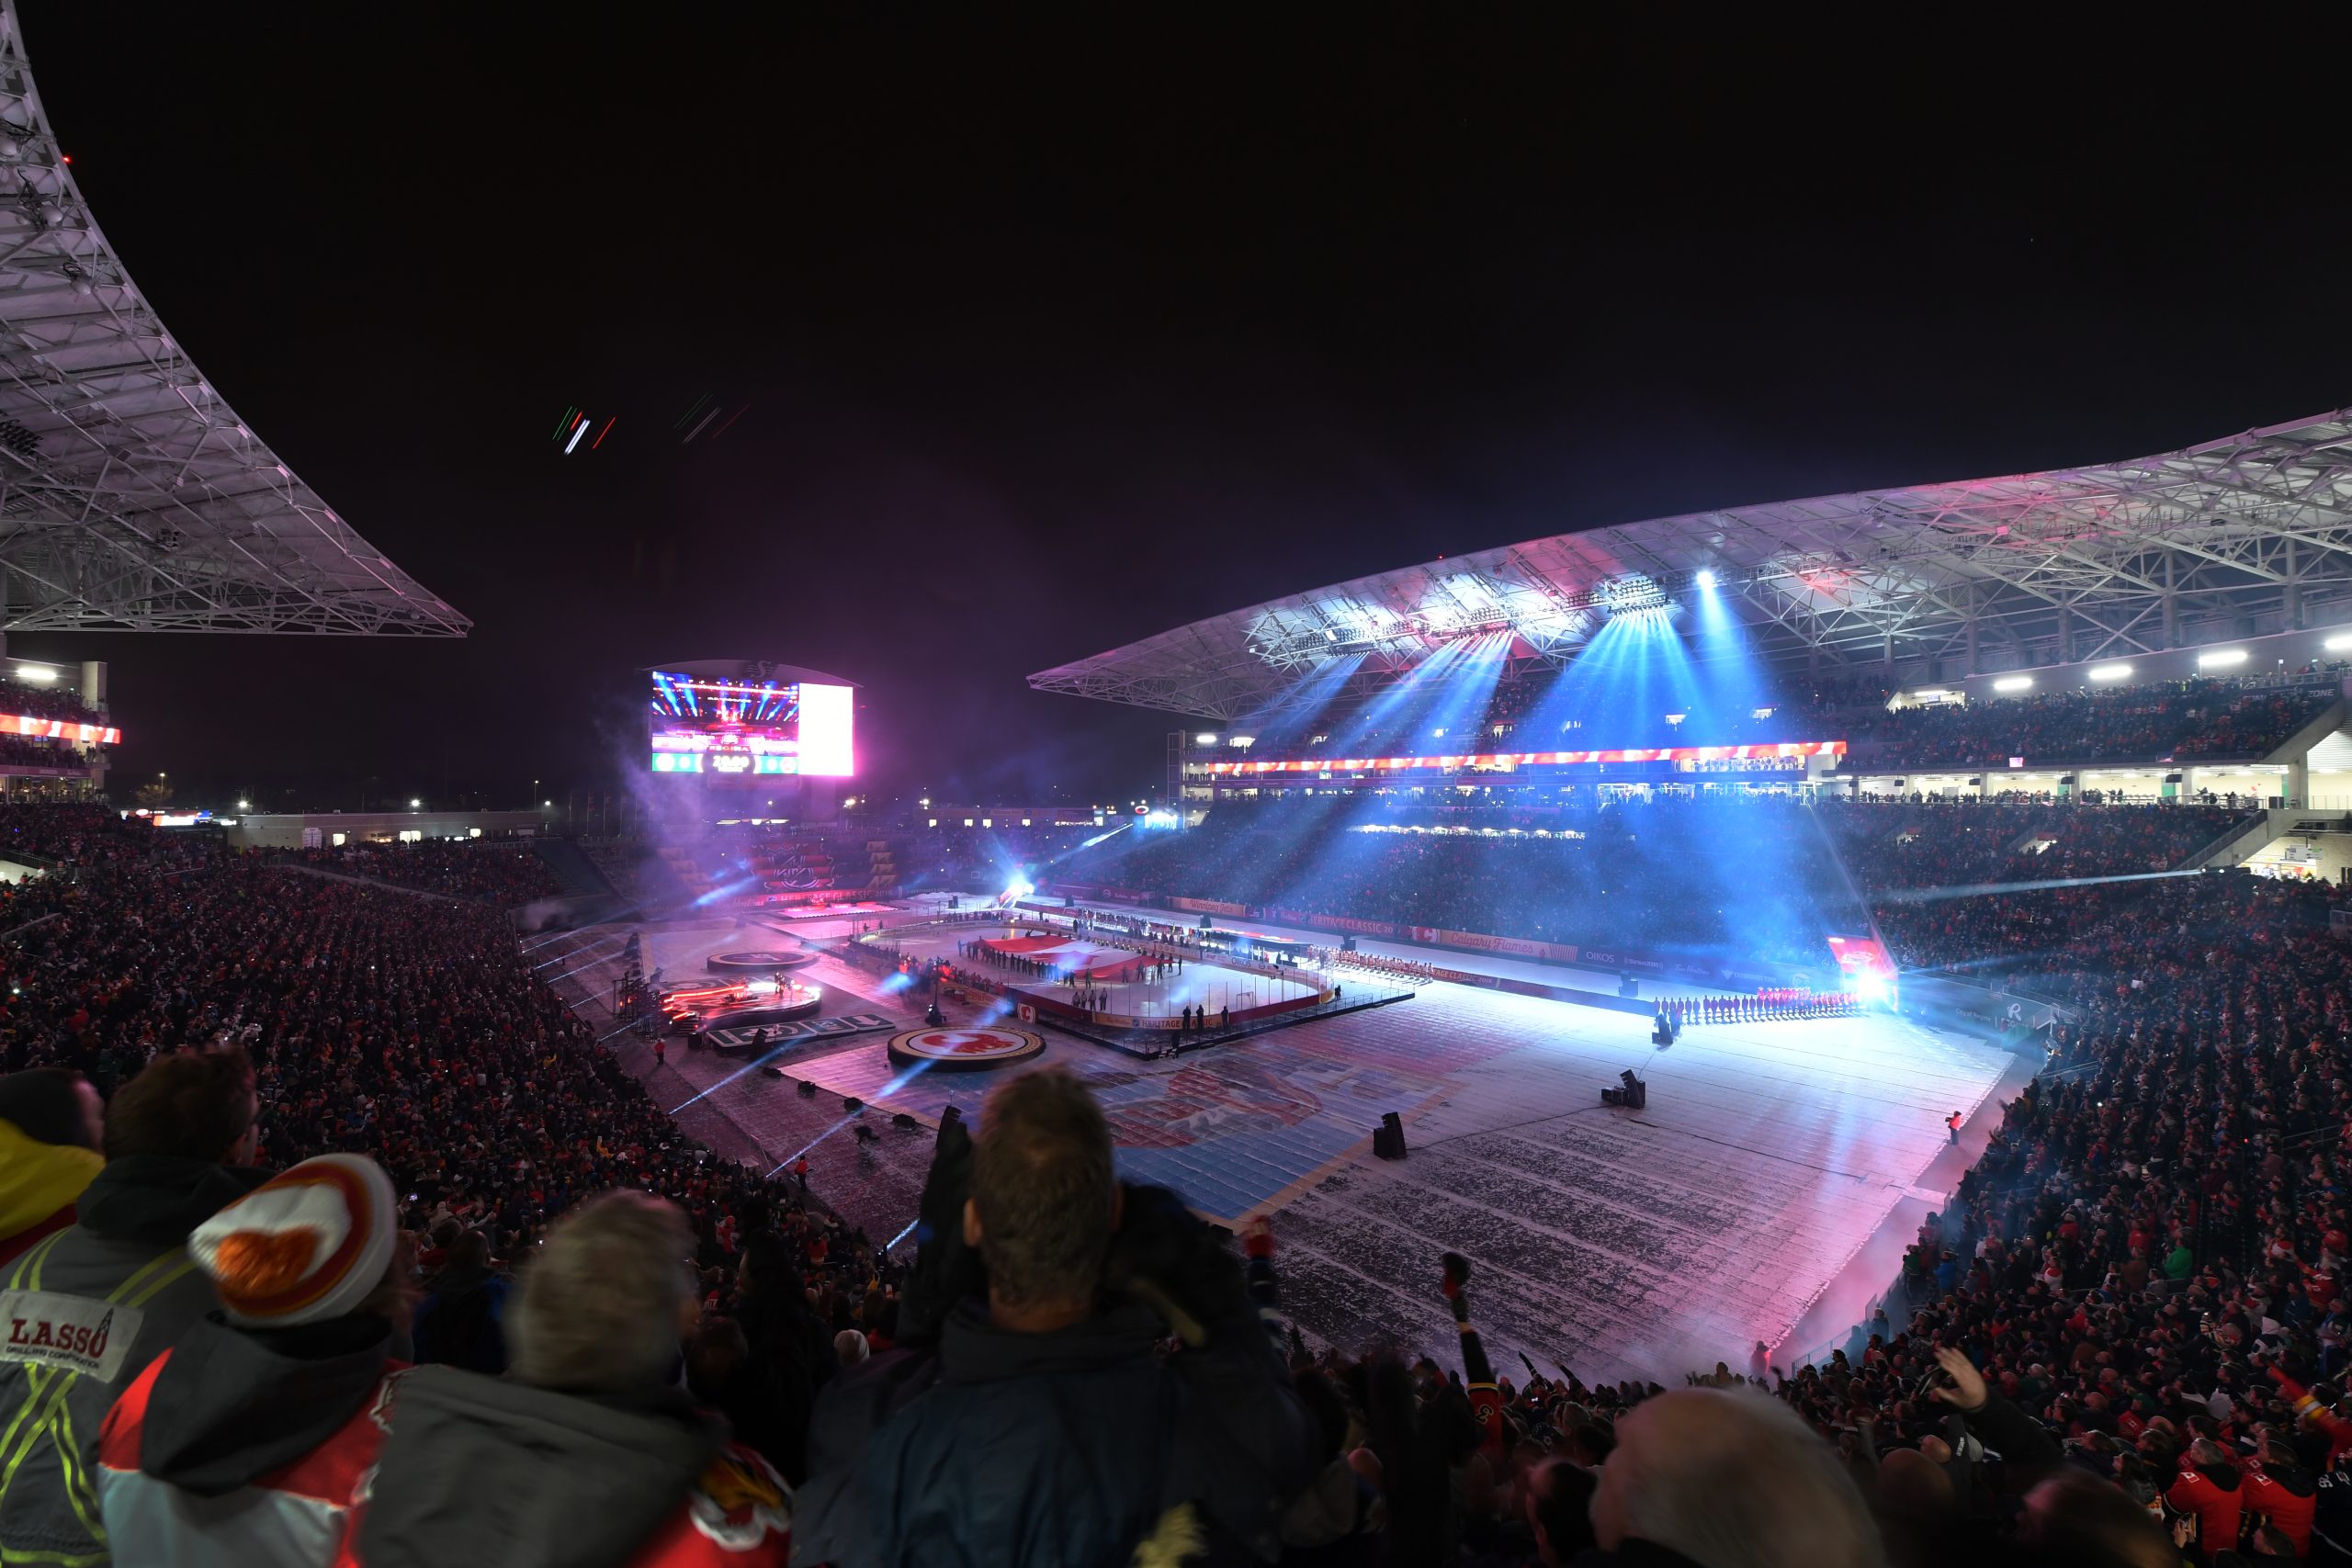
(2212, 1493)
(308, 1514)
(297, 1516)
(2286, 1496)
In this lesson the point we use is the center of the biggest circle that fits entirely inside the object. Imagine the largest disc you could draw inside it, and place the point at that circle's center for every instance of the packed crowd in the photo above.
(2171, 720)
(2122, 1342)
(21, 752)
(1943, 844)
(1748, 877)
(1526, 712)
(506, 875)
(47, 700)
(1697, 877)
(2146, 1263)
(411, 1031)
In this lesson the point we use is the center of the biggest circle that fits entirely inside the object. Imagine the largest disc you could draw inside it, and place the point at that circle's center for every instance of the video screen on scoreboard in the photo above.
(722, 729)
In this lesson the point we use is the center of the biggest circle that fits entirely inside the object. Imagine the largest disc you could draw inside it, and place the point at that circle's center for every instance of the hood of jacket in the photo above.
(2223, 1475)
(155, 1199)
(2291, 1478)
(232, 1404)
(482, 1471)
(37, 1178)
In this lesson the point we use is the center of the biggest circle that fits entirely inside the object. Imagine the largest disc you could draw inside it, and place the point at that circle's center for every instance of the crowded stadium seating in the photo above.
(502, 873)
(2190, 720)
(20, 752)
(2144, 1264)
(46, 700)
(1658, 874)
(1668, 875)
(2201, 718)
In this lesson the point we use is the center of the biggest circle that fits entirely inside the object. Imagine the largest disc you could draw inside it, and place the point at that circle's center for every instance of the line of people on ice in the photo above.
(1773, 1002)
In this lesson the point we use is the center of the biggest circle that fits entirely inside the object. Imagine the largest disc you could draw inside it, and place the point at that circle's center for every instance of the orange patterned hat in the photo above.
(309, 1243)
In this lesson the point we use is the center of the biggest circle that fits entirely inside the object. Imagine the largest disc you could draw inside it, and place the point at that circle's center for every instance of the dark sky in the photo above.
(1052, 333)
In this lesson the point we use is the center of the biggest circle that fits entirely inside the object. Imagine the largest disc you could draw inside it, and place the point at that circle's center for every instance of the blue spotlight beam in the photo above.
(1980, 889)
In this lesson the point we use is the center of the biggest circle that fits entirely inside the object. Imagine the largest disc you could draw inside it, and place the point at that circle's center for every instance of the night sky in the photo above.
(1049, 334)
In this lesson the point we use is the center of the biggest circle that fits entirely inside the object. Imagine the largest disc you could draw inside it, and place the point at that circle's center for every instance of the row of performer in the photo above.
(1764, 1006)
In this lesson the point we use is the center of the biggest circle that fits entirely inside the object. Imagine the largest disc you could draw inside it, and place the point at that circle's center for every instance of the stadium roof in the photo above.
(131, 496)
(2240, 536)
(750, 670)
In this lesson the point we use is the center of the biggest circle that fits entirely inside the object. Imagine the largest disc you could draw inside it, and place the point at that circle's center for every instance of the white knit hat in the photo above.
(310, 1243)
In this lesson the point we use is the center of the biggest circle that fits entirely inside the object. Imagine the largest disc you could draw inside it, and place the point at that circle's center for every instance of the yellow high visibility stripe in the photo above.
(47, 1388)
(32, 1259)
(13, 1558)
(24, 1449)
(162, 1259)
(78, 1490)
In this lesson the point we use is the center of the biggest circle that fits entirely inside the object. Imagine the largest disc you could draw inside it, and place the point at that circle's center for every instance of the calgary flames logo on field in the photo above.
(1237, 1098)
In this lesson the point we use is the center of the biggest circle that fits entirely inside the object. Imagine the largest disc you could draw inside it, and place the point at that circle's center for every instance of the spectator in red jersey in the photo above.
(2279, 1491)
(53, 1126)
(2208, 1489)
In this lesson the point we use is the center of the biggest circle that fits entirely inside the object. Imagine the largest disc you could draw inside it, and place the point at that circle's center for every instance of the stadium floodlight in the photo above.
(414, 804)
(1706, 581)
(244, 806)
(1204, 738)
(2110, 672)
(42, 674)
(2014, 683)
(2220, 659)
(2338, 644)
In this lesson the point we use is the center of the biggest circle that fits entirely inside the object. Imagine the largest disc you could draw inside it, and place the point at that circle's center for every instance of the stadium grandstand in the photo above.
(2173, 628)
(1810, 1033)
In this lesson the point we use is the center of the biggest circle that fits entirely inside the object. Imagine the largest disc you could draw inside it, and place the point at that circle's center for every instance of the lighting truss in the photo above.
(131, 496)
(2237, 537)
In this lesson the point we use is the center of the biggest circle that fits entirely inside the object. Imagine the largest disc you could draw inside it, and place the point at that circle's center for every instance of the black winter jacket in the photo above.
(1063, 1450)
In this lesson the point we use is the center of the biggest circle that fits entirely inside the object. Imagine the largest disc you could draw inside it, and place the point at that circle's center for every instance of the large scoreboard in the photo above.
(722, 729)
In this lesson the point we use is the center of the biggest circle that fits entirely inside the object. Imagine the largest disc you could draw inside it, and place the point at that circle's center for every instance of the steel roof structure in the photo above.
(2236, 538)
(133, 498)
